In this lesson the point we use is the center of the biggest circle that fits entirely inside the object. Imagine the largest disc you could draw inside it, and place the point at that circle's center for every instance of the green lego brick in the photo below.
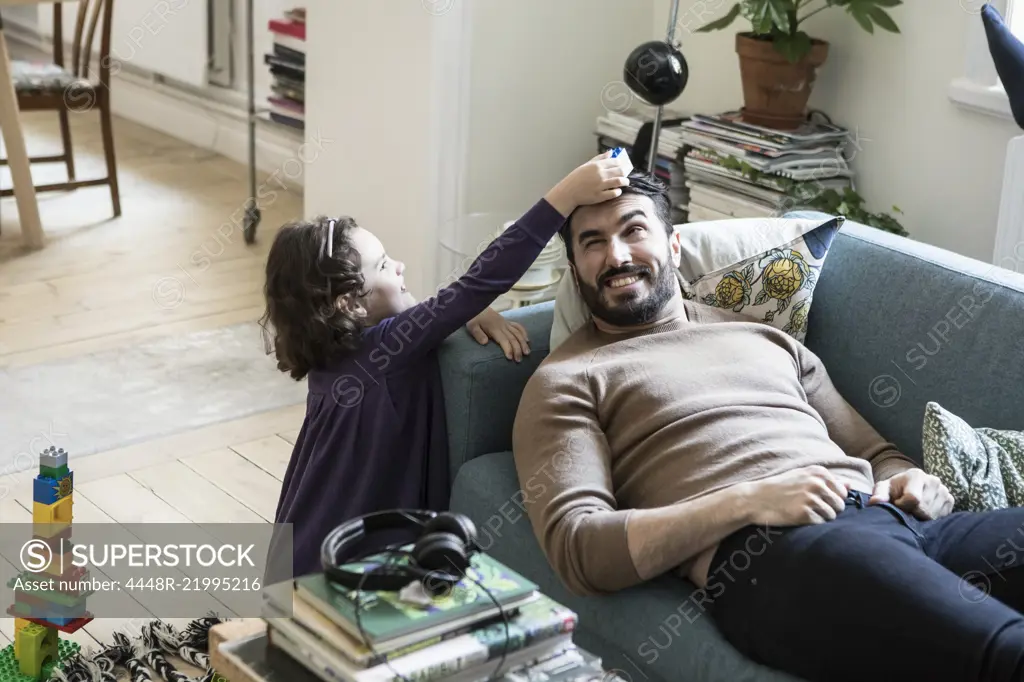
(35, 645)
(10, 669)
(54, 472)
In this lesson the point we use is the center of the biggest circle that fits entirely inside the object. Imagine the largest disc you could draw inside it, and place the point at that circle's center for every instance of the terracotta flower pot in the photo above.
(776, 91)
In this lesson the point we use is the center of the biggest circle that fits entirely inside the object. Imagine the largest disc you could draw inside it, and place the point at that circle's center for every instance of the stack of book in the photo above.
(461, 636)
(737, 170)
(620, 129)
(287, 62)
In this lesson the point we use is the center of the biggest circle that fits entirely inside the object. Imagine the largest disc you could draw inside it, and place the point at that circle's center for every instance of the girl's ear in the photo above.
(352, 305)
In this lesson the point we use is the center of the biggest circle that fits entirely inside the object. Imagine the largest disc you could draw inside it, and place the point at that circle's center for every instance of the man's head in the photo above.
(625, 254)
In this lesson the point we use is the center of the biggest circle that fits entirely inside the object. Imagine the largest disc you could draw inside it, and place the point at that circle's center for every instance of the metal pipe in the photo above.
(669, 38)
(673, 18)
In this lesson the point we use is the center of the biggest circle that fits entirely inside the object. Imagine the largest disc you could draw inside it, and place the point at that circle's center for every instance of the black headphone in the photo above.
(439, 558)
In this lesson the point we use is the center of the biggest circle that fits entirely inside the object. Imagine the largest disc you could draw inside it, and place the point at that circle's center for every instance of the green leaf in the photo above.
(860, 14)
(887, 3)
(761, 297)
(724, 22)
(793, 47)
(884, 20)
(760, 17)
(778, 10)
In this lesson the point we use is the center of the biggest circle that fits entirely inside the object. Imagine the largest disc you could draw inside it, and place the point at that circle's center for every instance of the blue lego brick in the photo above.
(47, 490)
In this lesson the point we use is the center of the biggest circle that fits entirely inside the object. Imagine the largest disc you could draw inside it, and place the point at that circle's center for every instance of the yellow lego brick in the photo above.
(58, 512)
(19, 623)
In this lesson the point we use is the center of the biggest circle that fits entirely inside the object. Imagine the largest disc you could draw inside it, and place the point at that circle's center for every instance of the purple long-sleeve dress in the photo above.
(374, 435)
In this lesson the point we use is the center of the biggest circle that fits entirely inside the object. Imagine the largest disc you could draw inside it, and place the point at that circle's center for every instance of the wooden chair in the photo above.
(61, 88)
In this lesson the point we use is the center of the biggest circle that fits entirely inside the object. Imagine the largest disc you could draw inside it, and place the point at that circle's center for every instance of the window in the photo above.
(979, 88)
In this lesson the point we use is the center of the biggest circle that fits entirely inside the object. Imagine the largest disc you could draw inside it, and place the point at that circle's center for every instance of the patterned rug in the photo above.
(118, 397)
(151, 653)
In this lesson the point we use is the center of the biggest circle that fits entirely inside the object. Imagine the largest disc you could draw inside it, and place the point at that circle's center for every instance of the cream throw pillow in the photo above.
(782, 253)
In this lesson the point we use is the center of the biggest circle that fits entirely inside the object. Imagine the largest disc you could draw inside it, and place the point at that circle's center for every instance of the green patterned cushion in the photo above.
(980, 466)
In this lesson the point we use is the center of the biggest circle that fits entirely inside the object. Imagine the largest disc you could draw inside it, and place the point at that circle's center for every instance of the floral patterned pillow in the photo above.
(775, 287)
(982, 467)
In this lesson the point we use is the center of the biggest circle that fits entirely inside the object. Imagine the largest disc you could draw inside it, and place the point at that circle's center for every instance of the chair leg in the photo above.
(108, 149)
(65, 133)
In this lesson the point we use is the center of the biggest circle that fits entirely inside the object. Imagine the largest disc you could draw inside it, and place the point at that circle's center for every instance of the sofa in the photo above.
(897, 323)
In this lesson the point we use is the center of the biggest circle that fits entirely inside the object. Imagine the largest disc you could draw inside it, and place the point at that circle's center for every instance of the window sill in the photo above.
(980, 98)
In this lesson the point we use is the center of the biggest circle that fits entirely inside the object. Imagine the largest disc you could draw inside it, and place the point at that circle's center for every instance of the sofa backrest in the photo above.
(482, 388)
(899, 323)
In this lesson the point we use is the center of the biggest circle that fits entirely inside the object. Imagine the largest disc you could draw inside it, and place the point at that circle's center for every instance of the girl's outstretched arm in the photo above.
(409, 335)
(413, 333)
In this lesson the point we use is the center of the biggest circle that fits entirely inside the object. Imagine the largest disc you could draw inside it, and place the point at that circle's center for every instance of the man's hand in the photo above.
(799, 497)
(915, 492)
(511, 336)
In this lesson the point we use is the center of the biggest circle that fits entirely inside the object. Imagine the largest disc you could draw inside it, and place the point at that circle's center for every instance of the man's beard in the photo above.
(632, 310)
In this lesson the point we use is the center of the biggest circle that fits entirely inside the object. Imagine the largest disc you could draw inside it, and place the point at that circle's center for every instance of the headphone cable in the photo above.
(504, 619)
(391, 556)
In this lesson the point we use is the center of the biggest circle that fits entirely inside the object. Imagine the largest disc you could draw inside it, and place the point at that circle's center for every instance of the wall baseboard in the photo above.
(216, 120)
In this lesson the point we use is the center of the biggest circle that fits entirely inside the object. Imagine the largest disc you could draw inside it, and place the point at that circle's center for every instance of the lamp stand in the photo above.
(669, 38)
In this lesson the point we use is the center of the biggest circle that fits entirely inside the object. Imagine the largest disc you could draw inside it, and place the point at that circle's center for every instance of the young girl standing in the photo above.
(374, 435)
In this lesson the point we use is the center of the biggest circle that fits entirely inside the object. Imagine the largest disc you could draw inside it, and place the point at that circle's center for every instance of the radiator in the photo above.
(1009, 250)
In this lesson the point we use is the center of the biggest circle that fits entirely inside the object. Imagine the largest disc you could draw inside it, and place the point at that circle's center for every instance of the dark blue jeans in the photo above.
(877, 594)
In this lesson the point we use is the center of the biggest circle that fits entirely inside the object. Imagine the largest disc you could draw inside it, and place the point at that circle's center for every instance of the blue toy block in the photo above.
(47, 490)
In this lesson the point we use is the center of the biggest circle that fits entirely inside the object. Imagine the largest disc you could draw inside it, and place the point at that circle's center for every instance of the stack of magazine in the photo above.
(462, 635)
(734, 169)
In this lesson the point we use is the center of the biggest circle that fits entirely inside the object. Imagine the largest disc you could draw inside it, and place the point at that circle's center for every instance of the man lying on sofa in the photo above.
(674, 436)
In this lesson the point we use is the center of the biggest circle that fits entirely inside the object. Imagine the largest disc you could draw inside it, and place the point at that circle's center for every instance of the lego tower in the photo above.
(39, 614)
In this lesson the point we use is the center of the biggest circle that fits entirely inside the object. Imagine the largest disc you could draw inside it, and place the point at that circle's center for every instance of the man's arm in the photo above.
(846, 427)
(565, 470)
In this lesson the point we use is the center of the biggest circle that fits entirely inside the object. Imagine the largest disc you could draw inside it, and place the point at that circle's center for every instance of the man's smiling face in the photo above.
(625, 259)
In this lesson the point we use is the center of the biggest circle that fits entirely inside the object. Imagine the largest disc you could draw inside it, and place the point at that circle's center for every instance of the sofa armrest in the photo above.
(482, 388)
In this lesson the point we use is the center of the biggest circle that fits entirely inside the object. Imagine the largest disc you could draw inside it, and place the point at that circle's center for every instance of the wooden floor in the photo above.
(174, 262)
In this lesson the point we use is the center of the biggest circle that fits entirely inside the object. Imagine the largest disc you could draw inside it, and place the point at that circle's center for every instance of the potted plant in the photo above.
(779, 61)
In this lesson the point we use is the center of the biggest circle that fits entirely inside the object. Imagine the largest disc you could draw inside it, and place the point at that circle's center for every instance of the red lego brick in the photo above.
(70, 628)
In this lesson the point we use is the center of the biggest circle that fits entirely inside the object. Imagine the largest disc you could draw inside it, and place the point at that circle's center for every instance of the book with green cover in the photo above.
(385, 615)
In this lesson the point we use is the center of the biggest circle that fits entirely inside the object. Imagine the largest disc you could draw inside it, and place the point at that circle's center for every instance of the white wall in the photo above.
(384, 82)
(939, 163)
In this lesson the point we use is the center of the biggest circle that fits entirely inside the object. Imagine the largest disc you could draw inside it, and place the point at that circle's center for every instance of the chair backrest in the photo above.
(94, 18)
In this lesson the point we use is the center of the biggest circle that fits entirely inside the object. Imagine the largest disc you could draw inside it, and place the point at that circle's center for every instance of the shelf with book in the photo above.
(286, 62)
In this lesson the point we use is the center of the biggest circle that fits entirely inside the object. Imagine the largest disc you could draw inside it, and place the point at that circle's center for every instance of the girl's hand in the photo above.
(511, 336)
(600, 179)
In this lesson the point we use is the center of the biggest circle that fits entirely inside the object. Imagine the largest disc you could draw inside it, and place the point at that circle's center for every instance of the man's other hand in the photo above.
(915, 492)
(799, 497)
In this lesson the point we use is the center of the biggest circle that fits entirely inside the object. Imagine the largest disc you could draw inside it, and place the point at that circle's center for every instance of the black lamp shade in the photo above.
(656, 72)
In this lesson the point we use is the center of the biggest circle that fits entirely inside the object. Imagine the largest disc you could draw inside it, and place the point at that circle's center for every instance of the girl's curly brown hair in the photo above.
(307, 330)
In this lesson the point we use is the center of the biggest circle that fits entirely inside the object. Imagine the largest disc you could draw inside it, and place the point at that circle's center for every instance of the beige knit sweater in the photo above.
(609, 423)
